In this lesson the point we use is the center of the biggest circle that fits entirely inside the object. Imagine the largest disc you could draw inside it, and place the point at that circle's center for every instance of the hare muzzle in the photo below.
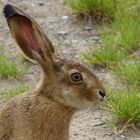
(102, 95)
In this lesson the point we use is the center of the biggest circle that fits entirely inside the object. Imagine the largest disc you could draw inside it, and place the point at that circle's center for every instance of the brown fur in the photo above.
(34, 118)
(45, 114)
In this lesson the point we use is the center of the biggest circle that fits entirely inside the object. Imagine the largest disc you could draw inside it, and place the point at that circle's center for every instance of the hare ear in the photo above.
(27, 33)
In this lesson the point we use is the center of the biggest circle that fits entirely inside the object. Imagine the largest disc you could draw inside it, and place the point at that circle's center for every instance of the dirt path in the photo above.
(74, 36)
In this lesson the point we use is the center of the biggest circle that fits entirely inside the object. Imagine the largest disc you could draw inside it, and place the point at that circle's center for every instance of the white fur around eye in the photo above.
(87, 79)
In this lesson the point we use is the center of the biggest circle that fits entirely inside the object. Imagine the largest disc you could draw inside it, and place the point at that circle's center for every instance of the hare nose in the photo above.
(102, 95)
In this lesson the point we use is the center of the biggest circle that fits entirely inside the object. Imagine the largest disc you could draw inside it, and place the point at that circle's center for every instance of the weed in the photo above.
(121, 38)
(9, 69)
(125, 106)
(105, 56)
(96, 8)
(129, 73)
(56, 47)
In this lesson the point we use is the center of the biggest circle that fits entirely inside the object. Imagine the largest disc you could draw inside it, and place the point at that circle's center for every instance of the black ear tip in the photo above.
(8, 10)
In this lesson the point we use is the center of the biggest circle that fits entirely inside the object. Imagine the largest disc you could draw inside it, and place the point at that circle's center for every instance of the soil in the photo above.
(73, 36)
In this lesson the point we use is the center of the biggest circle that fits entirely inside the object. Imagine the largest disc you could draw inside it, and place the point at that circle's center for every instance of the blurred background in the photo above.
(103, 34)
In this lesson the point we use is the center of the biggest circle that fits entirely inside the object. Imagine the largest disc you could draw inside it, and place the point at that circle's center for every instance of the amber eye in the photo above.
(76, 77)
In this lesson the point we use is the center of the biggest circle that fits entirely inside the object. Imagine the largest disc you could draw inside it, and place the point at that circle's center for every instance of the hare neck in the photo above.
(57, 116)
(52, 120)
(58, 121)
(44, 85)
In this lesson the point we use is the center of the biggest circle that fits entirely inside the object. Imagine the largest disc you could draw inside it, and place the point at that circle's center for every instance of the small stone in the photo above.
(66, 42)
(75, 134)
(63, 33)
(92, 138)
(65, 17)
(95, 39)
(122, 136)
(98, 123)
(88, 28)
(108, 134)
(77, 56)
(74, 41)
(41, 4)
(32, 4)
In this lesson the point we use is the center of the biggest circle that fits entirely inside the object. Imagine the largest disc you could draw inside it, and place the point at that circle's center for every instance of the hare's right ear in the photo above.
(29, 36)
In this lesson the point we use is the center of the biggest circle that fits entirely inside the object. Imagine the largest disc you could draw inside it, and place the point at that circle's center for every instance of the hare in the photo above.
(65, 87)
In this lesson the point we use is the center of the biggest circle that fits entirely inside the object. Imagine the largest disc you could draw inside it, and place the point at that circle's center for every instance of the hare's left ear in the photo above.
(29, 36)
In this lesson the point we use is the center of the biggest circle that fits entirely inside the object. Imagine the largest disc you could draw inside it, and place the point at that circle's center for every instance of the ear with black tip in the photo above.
(29, 36)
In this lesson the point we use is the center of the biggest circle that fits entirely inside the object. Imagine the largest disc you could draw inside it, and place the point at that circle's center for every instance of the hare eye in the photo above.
(76, 77)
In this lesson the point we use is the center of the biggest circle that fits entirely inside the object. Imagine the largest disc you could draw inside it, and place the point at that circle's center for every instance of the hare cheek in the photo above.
(74, 100)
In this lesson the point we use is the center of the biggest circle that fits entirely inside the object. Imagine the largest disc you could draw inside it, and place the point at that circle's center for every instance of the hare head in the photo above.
(64, 81)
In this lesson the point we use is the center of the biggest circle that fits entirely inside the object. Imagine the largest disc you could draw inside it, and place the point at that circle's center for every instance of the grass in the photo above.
(97, 8)
(120, 40)
(125, 106)
(11, 93)
(56, 47)
(130, 74)
(117, 44)
(105, 56)
(10, 69)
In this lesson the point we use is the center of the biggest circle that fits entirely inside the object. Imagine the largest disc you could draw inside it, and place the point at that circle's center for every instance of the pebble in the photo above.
(108, 134)
(76, 134)
(98, 124)
(122, 136)
(66, 42)
(63, 33)
(41, 4)
(77, 56)
(88, 28)
(33, 4)
(74, 41)
(95, 38)
(65, 17)
(92, 138)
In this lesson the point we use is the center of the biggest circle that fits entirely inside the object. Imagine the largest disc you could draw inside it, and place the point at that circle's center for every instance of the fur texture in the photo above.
(64, 88)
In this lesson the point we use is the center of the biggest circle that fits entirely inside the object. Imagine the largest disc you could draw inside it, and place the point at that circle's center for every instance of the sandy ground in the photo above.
(74, 36)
